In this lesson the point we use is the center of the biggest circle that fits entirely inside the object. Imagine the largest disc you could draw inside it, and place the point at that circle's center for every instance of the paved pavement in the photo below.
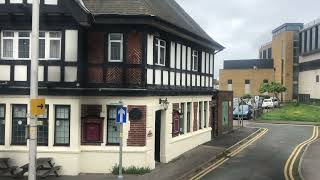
(310, 162)
(182, 165)
(264, 159)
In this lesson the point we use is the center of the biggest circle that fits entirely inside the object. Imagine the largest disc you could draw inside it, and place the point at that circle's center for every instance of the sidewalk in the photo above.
(310, 163)
(183, 165)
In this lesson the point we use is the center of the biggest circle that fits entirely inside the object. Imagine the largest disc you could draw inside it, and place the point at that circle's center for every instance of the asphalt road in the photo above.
(264, 159)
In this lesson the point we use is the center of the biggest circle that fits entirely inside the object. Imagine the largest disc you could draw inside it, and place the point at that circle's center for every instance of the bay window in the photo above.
(17, 45)
(160, 52)
(55, 45)
(7, 44)
(24, 45)
(115, 47)
(195, 58)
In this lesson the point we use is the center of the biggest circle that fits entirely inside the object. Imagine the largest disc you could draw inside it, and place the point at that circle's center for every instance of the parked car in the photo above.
(275, 102)
(268, 103)
(244, 111)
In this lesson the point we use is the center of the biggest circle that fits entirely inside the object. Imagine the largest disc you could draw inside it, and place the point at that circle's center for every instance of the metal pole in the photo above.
(120, 176)
(32, 174)
(238, 112)
(241, 116)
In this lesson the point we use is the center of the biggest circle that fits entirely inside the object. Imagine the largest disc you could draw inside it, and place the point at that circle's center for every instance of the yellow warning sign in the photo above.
(38, 107)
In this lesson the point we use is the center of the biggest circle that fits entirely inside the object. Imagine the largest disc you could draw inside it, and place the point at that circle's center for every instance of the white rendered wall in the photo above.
(308, 84)
(79, 158)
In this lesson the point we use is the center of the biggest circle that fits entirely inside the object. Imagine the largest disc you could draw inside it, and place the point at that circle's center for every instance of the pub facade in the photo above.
(93, 54)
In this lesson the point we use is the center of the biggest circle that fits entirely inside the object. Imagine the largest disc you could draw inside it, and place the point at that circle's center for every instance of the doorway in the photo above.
(157, 136)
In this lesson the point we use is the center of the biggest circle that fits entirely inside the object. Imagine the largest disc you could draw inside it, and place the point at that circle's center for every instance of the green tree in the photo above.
(273, 87)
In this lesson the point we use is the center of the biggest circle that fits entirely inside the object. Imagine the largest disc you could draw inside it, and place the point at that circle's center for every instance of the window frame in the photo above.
(107, 125)
(205, 114)
(247, 82)
(195, 68)
(182, 118)
(159, 47)
(55, 124)
(48, 40)
(189, 116)
(44, 119)
(229, 81)
(16, 38)
(121, 47)
(3, 119)
(200, 109)
(12, 118)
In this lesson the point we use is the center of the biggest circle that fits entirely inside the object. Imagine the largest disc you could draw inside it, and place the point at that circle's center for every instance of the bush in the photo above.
(247, 96)
(131, 170)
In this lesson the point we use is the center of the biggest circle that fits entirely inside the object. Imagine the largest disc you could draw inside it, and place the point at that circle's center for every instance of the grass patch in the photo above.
(131, 170)
(294, 112)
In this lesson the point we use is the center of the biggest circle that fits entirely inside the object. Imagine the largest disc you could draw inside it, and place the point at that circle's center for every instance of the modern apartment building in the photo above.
(150, 54)
(309, 83)
(282, 51)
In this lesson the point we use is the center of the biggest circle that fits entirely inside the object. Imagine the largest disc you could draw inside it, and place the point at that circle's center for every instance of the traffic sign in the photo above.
(38, 107)
(121, 115)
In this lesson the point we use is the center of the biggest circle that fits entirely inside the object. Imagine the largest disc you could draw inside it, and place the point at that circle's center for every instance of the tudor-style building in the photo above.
(149, 54)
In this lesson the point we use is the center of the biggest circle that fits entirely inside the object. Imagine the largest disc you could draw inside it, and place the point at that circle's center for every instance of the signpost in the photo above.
(32, 174)
(121, 119)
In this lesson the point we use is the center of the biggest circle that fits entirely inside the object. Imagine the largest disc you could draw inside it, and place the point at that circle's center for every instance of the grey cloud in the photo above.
(242, 26)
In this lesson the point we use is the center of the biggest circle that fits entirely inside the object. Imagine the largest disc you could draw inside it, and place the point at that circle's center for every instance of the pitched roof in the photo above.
(166, 10)
(249, 64)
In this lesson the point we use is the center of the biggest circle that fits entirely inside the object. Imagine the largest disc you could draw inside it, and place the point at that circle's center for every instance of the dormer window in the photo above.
(160, 52)
(115, 47)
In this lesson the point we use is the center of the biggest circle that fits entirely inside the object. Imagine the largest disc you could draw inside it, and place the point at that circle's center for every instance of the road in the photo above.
(265, 159)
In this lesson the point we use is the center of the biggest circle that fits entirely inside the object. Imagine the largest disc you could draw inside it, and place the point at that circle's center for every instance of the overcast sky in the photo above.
(242, 26)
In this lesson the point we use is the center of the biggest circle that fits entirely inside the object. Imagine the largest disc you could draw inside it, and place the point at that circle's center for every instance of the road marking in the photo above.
(228, 156)
(293, 156)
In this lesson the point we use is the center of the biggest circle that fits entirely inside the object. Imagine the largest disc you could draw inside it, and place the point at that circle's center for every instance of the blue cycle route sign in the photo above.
(121, 115)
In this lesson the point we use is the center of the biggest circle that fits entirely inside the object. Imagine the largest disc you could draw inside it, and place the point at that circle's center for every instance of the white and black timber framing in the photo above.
(68, 15)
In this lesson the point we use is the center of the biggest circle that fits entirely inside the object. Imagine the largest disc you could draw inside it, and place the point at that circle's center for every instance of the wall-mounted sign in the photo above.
(150, 134)
(38, 107)
(135, 114)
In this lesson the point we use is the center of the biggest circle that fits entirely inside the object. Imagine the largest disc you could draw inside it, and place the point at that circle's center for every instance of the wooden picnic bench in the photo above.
(6, 168)
(45, 167)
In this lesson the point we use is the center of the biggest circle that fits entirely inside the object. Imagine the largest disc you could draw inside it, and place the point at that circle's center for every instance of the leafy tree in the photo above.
(272, 87)
(247, 96)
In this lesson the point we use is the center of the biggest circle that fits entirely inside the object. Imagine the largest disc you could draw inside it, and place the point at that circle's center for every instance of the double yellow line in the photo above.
(229, 155)
(288, 169)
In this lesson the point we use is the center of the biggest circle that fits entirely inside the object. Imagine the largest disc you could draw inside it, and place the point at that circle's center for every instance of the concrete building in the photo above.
(284, 52)
(246, 76)
(309, 84)
(94, 53)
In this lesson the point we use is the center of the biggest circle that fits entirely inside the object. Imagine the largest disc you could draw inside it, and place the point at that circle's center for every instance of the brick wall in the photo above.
(137, 133)
(195, 116)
